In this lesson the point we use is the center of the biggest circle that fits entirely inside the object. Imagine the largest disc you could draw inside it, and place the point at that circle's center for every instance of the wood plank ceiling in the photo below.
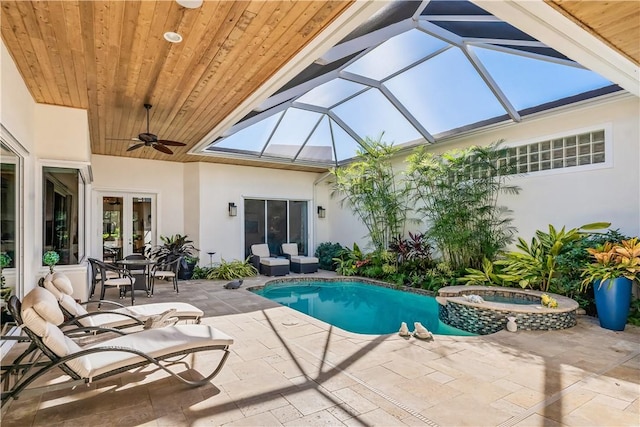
(110, 58)
(617, 23)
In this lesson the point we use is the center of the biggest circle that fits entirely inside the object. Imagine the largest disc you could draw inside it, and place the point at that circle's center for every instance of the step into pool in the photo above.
(359, 307)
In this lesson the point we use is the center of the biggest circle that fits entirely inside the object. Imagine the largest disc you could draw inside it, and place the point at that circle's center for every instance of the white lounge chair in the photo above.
(122, 317)
(39, 313)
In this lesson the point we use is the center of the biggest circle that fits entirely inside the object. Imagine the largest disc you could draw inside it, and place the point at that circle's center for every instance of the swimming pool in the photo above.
(359, 307)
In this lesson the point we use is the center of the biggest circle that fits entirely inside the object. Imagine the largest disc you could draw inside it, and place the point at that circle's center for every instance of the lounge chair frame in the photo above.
(56, 361)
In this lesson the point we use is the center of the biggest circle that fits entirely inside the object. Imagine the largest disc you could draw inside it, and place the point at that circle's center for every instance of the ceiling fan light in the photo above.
(190, 4)
(172, 37)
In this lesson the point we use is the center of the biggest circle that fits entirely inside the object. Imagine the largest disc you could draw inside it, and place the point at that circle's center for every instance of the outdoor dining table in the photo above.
(141, 271)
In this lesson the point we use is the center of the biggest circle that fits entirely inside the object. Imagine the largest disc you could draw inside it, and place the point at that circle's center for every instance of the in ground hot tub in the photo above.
(491, 316)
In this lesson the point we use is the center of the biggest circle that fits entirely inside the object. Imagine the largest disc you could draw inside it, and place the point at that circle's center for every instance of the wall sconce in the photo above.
(233, 209)
(322, 212)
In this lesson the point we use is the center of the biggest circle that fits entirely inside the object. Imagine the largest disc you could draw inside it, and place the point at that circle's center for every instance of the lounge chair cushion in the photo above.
(290, 249)
(58, 283)
(261, 250)
(75, 309)
(39, 307)
(62, 346)
(154, 342)
(142, 312)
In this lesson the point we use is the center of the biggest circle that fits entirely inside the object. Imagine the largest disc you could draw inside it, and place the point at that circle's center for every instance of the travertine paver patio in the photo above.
(289, 369)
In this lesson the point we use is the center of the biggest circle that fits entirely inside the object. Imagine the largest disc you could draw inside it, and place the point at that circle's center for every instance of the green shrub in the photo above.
(326, 252)
(235, 269)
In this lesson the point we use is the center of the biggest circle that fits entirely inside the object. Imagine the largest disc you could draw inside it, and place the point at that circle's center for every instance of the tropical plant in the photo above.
(50, 258)
(236, 269)
(369, 187)
(326, 252)
(535, 265)
(349, 261)
(458, 194)
(613, 260)
(414, 249)
(488, 276)
(5, 261)
(173, 247)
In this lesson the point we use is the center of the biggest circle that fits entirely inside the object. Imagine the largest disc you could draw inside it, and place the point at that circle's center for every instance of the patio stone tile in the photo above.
(535, 420)
(482, 391)
(264, 419)
(468, 411)
(613, 387)
(440, 377)
(507, 384)
(245, 370)
(388, 406)
(355, 400)
(379, 375)
(377, 417)
(287, 413)
(595, 413)
(343, 411)
(567, 403)
(525, 397)
(408, 368)
(508, 407)
(320, 418)
(212, 411)
(311, 399)
(257, 405)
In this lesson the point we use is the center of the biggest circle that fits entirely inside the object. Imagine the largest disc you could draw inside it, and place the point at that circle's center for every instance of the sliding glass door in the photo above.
(275, 222)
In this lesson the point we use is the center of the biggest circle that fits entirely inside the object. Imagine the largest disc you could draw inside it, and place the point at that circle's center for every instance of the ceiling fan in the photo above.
(147, 139)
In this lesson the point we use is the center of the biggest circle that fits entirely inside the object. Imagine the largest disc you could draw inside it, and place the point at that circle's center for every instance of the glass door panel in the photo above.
(276, 225)
(112, 230)
(298, 232)
(141, 224)
(128, 224)
(253, 224)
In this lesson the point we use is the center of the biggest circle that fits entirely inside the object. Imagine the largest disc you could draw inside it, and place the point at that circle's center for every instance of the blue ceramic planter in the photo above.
(613, 300)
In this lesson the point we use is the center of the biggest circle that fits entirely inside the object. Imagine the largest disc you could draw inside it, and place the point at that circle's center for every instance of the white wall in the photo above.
(221, 184)
(39, 133)
(166, 179)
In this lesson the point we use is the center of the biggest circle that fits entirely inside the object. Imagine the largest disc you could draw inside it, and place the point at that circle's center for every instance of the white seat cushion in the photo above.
(163, 273)
(154, 342)
(40, 307)
(290, 249)
(123, 281)
(261, 250)
(143, 312)
(304, 260)
(271, 262)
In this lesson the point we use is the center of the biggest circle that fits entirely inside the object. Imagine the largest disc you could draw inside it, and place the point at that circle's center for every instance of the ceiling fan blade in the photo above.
(173, 143)
(162, 148)
(135, 147)
(117, 139)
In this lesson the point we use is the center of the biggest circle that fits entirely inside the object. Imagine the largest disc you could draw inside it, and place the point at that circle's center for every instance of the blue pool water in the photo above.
(360, 307)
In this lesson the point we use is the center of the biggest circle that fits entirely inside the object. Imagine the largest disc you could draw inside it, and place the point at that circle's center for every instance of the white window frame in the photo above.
(83, 205)
(608, 150)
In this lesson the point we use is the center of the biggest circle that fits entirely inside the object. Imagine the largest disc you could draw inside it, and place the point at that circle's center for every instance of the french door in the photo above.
(127, 223)
(275, 222)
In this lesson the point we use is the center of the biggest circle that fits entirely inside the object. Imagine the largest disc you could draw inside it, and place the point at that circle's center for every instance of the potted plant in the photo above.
(177, 246)
(50, 258)
(616, 267)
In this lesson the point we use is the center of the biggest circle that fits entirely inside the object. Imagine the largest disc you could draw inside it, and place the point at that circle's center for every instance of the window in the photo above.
(275, 222)
(63, 213)
(583, 149)
(9, 203)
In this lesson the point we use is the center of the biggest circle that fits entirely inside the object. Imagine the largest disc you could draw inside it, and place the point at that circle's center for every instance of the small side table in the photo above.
(211, 254)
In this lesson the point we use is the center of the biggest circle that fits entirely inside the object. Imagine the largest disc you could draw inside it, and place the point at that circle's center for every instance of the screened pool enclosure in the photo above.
(420, 72)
